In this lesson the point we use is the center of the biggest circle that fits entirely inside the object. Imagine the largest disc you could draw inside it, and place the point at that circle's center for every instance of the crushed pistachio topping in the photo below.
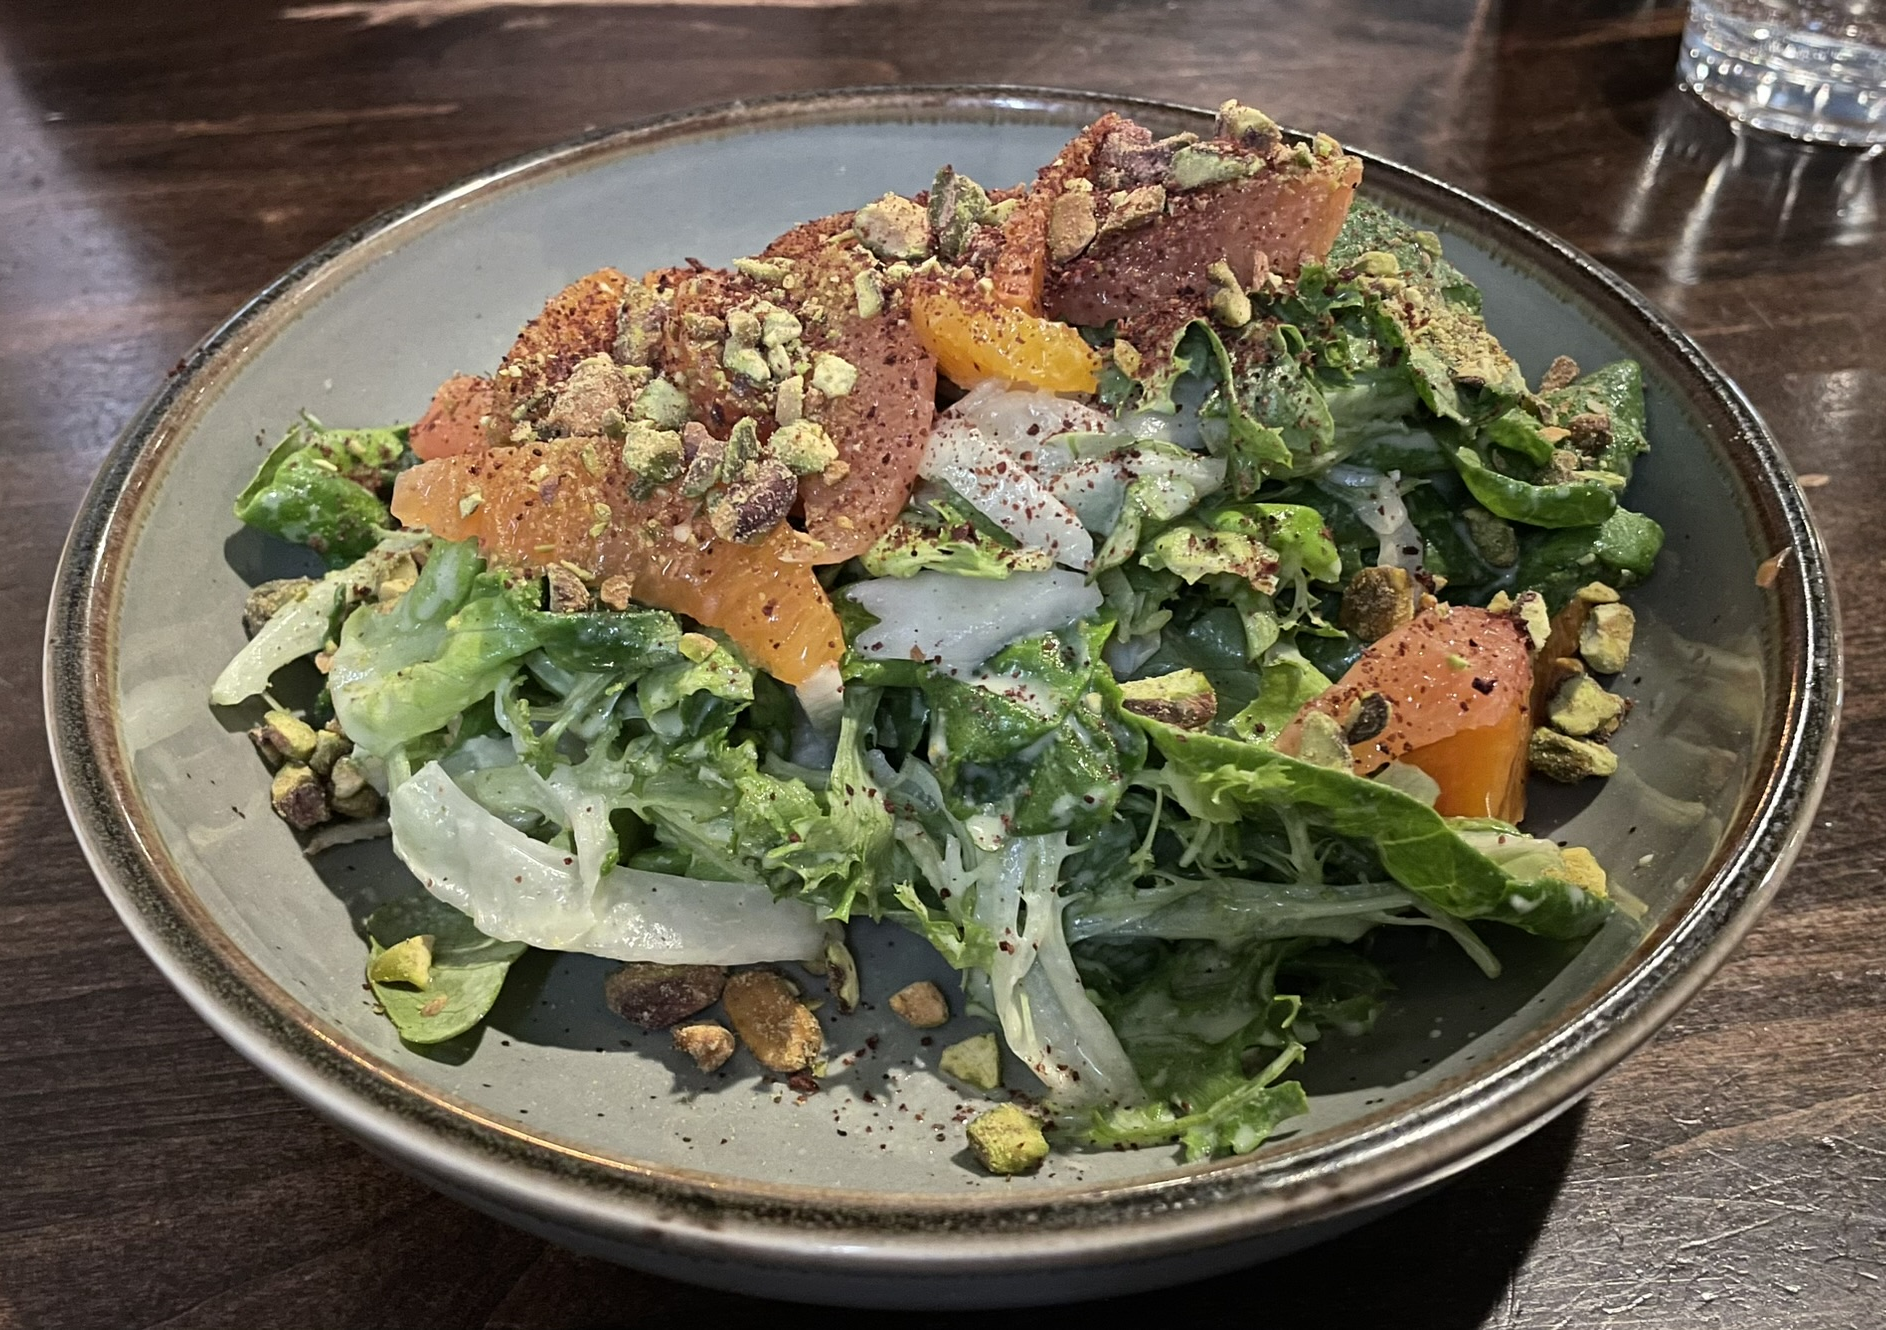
(893, 228)
(1229, 303)
(773, 272)
(1199, 164)
(1246, 126)
(1072, 224)
(833, 375)
(652, 453)
(1605, 640)
(957, 206)
(1128, 209)
(975, 1061)
(1562, 758)
(1007, 1141)
(408, 962)
(803, 446)
(662, 404)
(869, 293)
(697, 647)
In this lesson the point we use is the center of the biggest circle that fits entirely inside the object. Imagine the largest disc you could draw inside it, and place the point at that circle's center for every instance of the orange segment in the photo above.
(980, 339)
(569, 501)
(462, 412)
(1457, 681)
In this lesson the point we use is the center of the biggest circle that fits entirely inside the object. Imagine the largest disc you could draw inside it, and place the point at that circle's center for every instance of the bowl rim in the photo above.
(1321, 1176)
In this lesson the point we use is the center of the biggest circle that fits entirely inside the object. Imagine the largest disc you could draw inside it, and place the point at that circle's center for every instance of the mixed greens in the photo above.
(1122, 722)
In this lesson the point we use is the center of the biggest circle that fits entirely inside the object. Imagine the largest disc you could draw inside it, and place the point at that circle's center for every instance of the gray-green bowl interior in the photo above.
(370, 343)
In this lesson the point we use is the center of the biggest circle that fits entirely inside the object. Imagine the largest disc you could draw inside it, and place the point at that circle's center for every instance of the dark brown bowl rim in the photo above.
(1315, 1178)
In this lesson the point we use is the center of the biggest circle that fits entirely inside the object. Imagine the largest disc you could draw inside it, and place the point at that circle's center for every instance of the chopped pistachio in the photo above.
(1369, 715)
(330, 747)
(957, 206)
(1007, 1141)
(697, 647)
(975, 1061)
(870, 295)
(743, 446)
(921, 1005)
(656, 996)
(749, 362)
(1605, 640)
(1597, 593)
(653, 454)
(1320, 742)
(770, 271)
(1198, 165)
(1324, 146)
(833, 375)
(617, 592)
(638, 326)
(779, 361)
(789, 399)
(565, 592)
(288, 735)
(803, 446)
(1534, 617)
(1071, 225)
(1001, 212)
(893, 228)
(1562, 758)
(1126, 357)
(1583, 870)
(775, 1024)
(710, 1045)
(594, 388)
(1229, 303)
(662, 404)
(1132, 208)
(841, 974)
(1581, 707)
(754, 502)
(298, 798)
(1377, 263)
(702, 327)
(1495, 539)
(1377, 601)
(1561, 373)
(1183, 698)
(408, 962)
(707, 465)
(778, 327)
(1246, 125)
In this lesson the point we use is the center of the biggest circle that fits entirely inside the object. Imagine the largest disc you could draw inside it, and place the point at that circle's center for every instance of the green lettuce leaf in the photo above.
(1620, 551)
(1225, 780)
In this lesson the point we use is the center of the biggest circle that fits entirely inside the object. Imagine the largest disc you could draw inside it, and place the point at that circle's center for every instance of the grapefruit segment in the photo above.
(1457, 681)
(460, 419)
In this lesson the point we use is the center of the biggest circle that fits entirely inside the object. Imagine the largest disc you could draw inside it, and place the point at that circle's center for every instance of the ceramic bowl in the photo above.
(564, 1120)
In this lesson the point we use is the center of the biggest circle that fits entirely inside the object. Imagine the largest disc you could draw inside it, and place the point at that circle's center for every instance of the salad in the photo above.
(1145, 584)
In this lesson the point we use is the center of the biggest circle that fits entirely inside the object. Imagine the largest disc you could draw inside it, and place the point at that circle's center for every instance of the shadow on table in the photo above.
(1444, 1262)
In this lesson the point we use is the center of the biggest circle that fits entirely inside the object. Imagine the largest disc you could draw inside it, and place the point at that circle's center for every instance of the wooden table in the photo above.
(160, 162)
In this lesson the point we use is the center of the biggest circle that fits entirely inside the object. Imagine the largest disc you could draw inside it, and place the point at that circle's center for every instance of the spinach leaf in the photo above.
(1616, 393)
(1578, 502)
(1034, 736)
(1620, 551)
(320, 488)
(467, 969)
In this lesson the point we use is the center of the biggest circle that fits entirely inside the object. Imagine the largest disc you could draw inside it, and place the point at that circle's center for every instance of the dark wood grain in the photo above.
(159, 162)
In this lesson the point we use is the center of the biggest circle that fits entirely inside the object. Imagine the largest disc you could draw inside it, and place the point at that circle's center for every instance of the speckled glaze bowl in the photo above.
(546, 1118)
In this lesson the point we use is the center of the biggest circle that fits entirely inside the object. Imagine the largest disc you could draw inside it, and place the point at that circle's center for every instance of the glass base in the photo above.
(1808, 85)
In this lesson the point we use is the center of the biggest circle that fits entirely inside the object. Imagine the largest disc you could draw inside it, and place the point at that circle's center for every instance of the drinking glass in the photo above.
(1810, 69)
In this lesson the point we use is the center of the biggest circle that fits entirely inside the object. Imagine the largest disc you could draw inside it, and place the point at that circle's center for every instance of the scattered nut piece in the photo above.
(1230, 305)
(1605, 640)
(1561, 373)
(289, 735)
(1562, 758)
(1071, 225)
(656, 996)
(566, 593)
(408, 962)
(841, 975)
(1377, 601)
(1769, 571)
(976, 1061)
(772, 1021)
(1320, 742)
(921, 1004)
(618, 593)
(1183, 698)
(1581, 707)
(893, 228)
(330, 746)
(1597, 593)
(1007, 1141)
(1530, 607)
(1582, 869)
(1130, 209)
(1807, 480)
(661, 404)
(710, 1045)
(957, 206)
(297, 797)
